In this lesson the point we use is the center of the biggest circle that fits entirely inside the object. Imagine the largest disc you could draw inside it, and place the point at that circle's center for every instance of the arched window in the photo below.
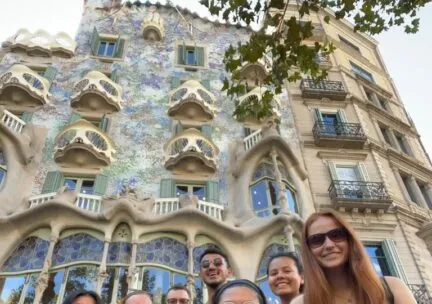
(265, 189)
(3, 168)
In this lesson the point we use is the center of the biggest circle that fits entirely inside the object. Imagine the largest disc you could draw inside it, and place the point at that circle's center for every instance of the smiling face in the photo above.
(284, 278)
(213, 272)
(331, 254)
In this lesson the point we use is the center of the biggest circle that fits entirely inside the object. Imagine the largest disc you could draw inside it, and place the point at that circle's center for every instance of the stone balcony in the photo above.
(359, 195)
(97, 93)
(256, 72)
(153, 27)
(83, 145)
(167, 205)
(11, 121)
(23, 87)
(191, 101)
(339, 135)
(255, 96)
(323, 89)
(41, 43)
(191, 152)
(88, 202)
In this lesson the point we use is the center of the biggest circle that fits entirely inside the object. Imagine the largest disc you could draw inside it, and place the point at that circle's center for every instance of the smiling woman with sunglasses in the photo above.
(337, 269)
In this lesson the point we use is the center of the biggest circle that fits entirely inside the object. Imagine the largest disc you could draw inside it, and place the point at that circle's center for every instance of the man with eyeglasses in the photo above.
(214, 270)
(178, 294)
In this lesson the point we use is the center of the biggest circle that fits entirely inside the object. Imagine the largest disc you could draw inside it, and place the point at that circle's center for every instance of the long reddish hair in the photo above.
(367, 285)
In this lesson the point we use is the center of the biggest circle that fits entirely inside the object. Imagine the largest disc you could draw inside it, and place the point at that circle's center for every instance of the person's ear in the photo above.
(230, 272)
(302, 279)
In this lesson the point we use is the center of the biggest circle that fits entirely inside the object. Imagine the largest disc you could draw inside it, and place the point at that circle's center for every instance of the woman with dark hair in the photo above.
(285, 276)
(238, 292)
(337, 269)
(83, 297)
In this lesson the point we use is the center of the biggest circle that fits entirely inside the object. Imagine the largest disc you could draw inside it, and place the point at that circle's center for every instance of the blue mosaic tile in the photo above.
(78, 247)
(119, 252)
(30, 254)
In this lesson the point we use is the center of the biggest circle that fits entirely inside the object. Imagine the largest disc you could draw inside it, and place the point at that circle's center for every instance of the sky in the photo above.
(407, 56)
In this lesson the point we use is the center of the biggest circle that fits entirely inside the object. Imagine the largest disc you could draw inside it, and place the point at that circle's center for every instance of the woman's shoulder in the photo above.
(400, 291)
(298, 300)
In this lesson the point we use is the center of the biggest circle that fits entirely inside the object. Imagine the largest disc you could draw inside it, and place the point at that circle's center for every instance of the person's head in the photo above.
(137, 297)
(83, 297)
(239, 292)
(214, 267)
(285, 274)
(330, 244)
(178, 294)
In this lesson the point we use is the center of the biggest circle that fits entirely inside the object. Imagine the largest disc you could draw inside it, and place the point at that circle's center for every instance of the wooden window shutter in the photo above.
(363, 172)
(26, 116)
(95, 41)
(206, 83)
(332, 169)
(52, 182)
(341, 116)
(100, 184)
(114, 76)
(50, 74)
(178, 128)
(74, 118)
(104, 123)
(175, 82)
(199, 56)
(207, 130)
(167, 188)
(212, 194)
(119, 48)
(181, 54)
(393, 260)
(317, 115)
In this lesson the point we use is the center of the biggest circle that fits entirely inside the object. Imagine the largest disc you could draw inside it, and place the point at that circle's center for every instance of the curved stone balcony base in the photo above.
(95, 102)
(192, 109)
(191, 162)
(81, 155)
(15, 95)
(256, 95)
(153, 27)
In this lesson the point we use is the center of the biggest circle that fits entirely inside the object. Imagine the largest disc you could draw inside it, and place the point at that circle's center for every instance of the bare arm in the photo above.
(401, 292)
(298, 300)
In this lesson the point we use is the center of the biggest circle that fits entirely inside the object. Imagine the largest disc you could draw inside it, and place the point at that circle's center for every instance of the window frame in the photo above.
(190, 187)
(118, 48)
(189, 46)
(79, 182)
(349, 44)
(359, 71)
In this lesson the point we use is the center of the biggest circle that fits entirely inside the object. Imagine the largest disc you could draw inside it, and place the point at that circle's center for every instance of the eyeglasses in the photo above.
(175, 301)
(216, 262)
(336, 235)
(245, 302)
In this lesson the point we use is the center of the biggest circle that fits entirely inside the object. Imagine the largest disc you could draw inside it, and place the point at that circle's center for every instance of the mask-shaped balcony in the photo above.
(21, 86)
(191, 101)
(97, 93)
(255, 96)
(323, 89)
(83, 145)
(153, 27)
(191, 152)
(256, 72)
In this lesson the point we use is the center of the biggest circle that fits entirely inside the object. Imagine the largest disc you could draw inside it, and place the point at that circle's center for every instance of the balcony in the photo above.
(91, 203)
(22, 87)
(191, 152)
(322, 89)
(167, 205)
(339, 135)
(191, 101)
(359, 195)
(42, 43)
(153, 27)
(12, 122)
(255, 96)
(256, 72)
(83, 145)
(420, 293)
(252, 139)
(97, 93)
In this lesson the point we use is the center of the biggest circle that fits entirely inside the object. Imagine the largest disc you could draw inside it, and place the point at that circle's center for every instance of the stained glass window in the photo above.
(78, 247)
(165, 251)
(30, 254)
(119, 253)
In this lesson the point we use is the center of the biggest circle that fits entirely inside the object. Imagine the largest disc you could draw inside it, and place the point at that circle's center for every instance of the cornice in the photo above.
(342, 153)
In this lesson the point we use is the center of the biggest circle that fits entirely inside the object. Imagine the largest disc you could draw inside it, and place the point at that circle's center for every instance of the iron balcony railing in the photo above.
(322, 86)
(357, 190)
(340, 129)
(420, 293)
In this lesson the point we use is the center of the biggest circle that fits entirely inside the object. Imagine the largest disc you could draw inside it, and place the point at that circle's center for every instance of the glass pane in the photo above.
(2, 175)
(70, 183)
(378, 259)
(347, 173)
(199, 292)
(292, 206)
(51, 293)
(81, 278)
(190, 57)
(110, 50)
(330, 121)
(2, 158)
(180, 279)
(108, 285)
(102, 47)
(122, 284)
(181, 190)
(156, 281)
(87, 187)
(11, 290)
(271, 298)
(259, 199)
(199, 192)
(31, 290)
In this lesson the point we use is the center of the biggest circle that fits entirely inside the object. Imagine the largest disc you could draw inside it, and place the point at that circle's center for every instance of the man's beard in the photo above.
(214, 285)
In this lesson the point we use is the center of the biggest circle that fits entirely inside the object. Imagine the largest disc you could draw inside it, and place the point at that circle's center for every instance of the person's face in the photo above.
(179, 296)
(214, 270)
(84, 300)
(239, 295)
(139, 299)
(332, 253)
(283, 277)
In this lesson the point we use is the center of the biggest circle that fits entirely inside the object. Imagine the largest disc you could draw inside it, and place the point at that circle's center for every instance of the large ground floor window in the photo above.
(18, 289)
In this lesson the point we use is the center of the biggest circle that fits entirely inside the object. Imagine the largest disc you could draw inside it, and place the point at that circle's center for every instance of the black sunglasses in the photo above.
(216, 262)
(336, 235)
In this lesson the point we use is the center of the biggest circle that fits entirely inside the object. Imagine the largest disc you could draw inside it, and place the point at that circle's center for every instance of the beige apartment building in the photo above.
(121, 162)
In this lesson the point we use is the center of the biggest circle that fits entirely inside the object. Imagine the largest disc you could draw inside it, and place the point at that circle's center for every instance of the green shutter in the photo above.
(100, 184)
(363, 172)
(393, 260)
(52, 182)
(119, 48)
(247, 131)
(26, 116)
(94, 43)
(167, 188)
(74, 118)
(341, 116)
(175, 82)
(104, 123)
(178, 128)
(212, 191)
(114, 76)
(199, 56)
(318, 116)
(207, 130)
(50, 74)
(181, 54)
(206, 84)
(332, 169)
